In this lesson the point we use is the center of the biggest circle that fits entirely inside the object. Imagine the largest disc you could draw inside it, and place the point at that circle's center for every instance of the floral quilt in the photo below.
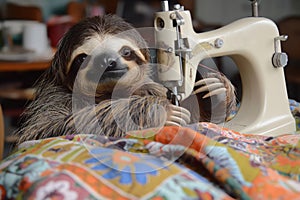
(203, 161)
(170, 163)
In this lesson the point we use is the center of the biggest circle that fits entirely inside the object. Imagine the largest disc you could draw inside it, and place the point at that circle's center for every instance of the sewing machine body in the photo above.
(251, 43)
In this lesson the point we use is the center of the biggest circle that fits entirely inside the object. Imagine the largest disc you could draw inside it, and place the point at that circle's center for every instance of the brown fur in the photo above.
(64, 105)
(69, 103)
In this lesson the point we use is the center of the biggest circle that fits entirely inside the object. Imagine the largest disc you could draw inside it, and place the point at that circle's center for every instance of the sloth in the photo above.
(100, 82)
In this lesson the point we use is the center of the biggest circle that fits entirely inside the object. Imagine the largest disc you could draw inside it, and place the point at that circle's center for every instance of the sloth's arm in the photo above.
(55, 117)
(116, 117)
(110, 117)
(44, 117)
(213, 99)
(216, 97)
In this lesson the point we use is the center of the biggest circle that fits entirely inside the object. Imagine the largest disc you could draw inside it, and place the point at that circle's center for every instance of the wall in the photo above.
(225, 11)
(49, 7)
(222, 12)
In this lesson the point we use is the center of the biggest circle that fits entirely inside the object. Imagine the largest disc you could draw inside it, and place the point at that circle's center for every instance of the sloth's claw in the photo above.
(178, 110)
(170, 123)
(176, 120)
(215, 92)
(213, 86)
(206, 81)
(177, 116)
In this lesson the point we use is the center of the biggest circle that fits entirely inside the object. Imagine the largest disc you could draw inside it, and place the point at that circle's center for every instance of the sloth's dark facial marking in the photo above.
(77, 64)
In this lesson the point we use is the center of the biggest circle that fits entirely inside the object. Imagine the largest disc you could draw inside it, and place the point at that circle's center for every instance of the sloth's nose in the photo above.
(107, 61)
(111, 63)
(106, 65)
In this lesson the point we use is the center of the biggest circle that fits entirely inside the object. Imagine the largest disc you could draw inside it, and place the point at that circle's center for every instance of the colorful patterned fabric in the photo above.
(295, 108)
(203, 161)
(170, 163)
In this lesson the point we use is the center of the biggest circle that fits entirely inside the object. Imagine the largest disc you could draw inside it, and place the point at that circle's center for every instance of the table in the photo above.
(13, 66)
(33, 63)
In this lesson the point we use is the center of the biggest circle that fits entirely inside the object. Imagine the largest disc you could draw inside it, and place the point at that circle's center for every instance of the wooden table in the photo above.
(10, 66)
(39, 62)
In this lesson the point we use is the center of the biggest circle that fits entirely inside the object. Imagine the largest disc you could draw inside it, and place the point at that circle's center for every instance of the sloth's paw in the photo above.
(177, 116)
(210, 86)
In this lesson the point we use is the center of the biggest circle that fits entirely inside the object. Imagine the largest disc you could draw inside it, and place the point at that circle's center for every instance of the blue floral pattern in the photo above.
(128, 167)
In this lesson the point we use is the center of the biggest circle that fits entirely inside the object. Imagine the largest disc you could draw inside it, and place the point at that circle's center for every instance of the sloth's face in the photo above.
(102, 62)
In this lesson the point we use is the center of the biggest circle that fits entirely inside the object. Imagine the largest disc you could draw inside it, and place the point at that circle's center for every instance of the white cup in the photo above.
(35, 37)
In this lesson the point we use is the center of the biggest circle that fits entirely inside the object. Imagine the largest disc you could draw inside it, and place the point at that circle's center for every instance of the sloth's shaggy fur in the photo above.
(73, 98)
(68, 104)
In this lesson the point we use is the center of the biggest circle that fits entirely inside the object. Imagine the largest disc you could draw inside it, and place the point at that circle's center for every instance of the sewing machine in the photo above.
(254, 45)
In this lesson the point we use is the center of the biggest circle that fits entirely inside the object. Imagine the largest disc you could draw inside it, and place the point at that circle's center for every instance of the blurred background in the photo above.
(57, 16)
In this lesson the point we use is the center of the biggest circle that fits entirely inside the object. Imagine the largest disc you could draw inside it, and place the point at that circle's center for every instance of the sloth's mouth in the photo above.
(114, 73)
(98, 75)
(115, 69)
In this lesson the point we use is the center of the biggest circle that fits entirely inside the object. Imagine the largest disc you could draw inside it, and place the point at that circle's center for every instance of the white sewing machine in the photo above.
(254, 45)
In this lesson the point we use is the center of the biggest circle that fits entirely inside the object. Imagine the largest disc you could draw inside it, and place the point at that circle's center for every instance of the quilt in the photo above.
(202, 161)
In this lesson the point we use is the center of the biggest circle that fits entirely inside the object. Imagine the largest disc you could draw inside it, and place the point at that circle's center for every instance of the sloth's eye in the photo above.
(126, 52)
(79, 60)
(77, 63)
(75, 67)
